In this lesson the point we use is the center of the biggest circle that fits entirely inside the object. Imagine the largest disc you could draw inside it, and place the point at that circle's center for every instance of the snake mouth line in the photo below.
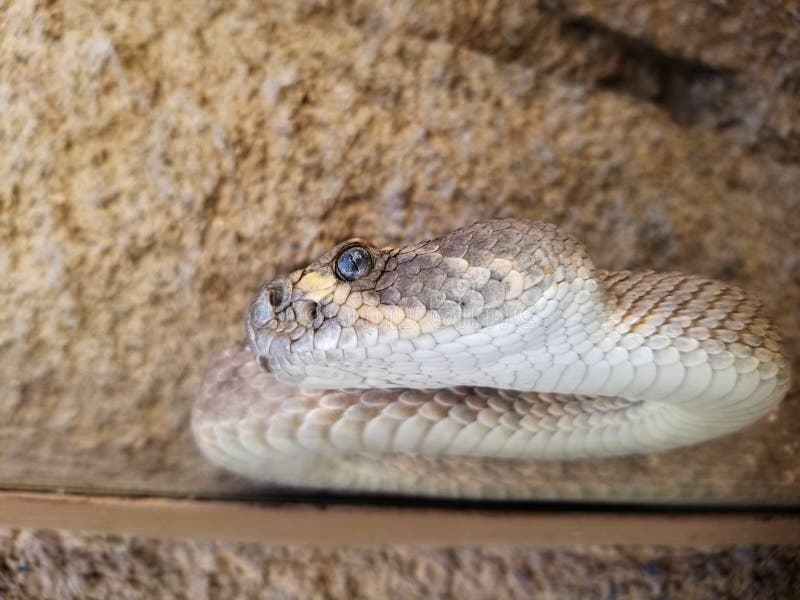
(264, 364)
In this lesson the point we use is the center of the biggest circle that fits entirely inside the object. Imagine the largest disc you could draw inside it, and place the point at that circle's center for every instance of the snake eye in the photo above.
(353, 263)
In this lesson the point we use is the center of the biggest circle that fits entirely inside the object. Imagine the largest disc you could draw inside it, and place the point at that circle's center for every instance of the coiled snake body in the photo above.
(385, 369)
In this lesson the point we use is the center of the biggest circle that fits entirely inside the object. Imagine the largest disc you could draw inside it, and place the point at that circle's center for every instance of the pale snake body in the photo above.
(496, 341)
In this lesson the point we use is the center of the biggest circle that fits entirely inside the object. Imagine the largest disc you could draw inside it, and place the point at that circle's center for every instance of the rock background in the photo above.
(158, 161)
(66, 566)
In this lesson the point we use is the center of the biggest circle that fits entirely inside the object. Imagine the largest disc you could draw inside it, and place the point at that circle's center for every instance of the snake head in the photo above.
(337, 322)
(313, 310)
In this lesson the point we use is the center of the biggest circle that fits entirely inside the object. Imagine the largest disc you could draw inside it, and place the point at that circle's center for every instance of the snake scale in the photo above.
(395, 369)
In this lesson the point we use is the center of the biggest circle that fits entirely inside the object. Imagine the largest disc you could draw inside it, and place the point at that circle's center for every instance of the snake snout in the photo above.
(271, 300)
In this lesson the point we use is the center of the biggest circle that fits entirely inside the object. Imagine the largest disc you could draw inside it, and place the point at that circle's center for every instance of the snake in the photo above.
(431, 368)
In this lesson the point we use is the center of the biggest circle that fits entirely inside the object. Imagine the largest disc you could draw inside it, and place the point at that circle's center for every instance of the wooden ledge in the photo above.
(361, 526)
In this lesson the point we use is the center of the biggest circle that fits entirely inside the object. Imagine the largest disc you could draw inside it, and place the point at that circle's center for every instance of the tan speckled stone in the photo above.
(49, 564)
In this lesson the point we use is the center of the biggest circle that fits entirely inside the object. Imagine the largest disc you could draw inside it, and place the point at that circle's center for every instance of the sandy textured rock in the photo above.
(158, 162)
(65, 566)
(720, 63)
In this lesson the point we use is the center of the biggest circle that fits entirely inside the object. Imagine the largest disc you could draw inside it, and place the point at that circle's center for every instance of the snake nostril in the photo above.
(279, 293)
(275, 297)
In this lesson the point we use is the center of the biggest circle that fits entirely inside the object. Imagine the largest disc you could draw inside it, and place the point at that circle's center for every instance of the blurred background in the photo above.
(159, 161)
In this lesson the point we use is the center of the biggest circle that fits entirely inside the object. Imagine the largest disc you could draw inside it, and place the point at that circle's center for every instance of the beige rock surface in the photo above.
(64, 566)
(158, 161)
